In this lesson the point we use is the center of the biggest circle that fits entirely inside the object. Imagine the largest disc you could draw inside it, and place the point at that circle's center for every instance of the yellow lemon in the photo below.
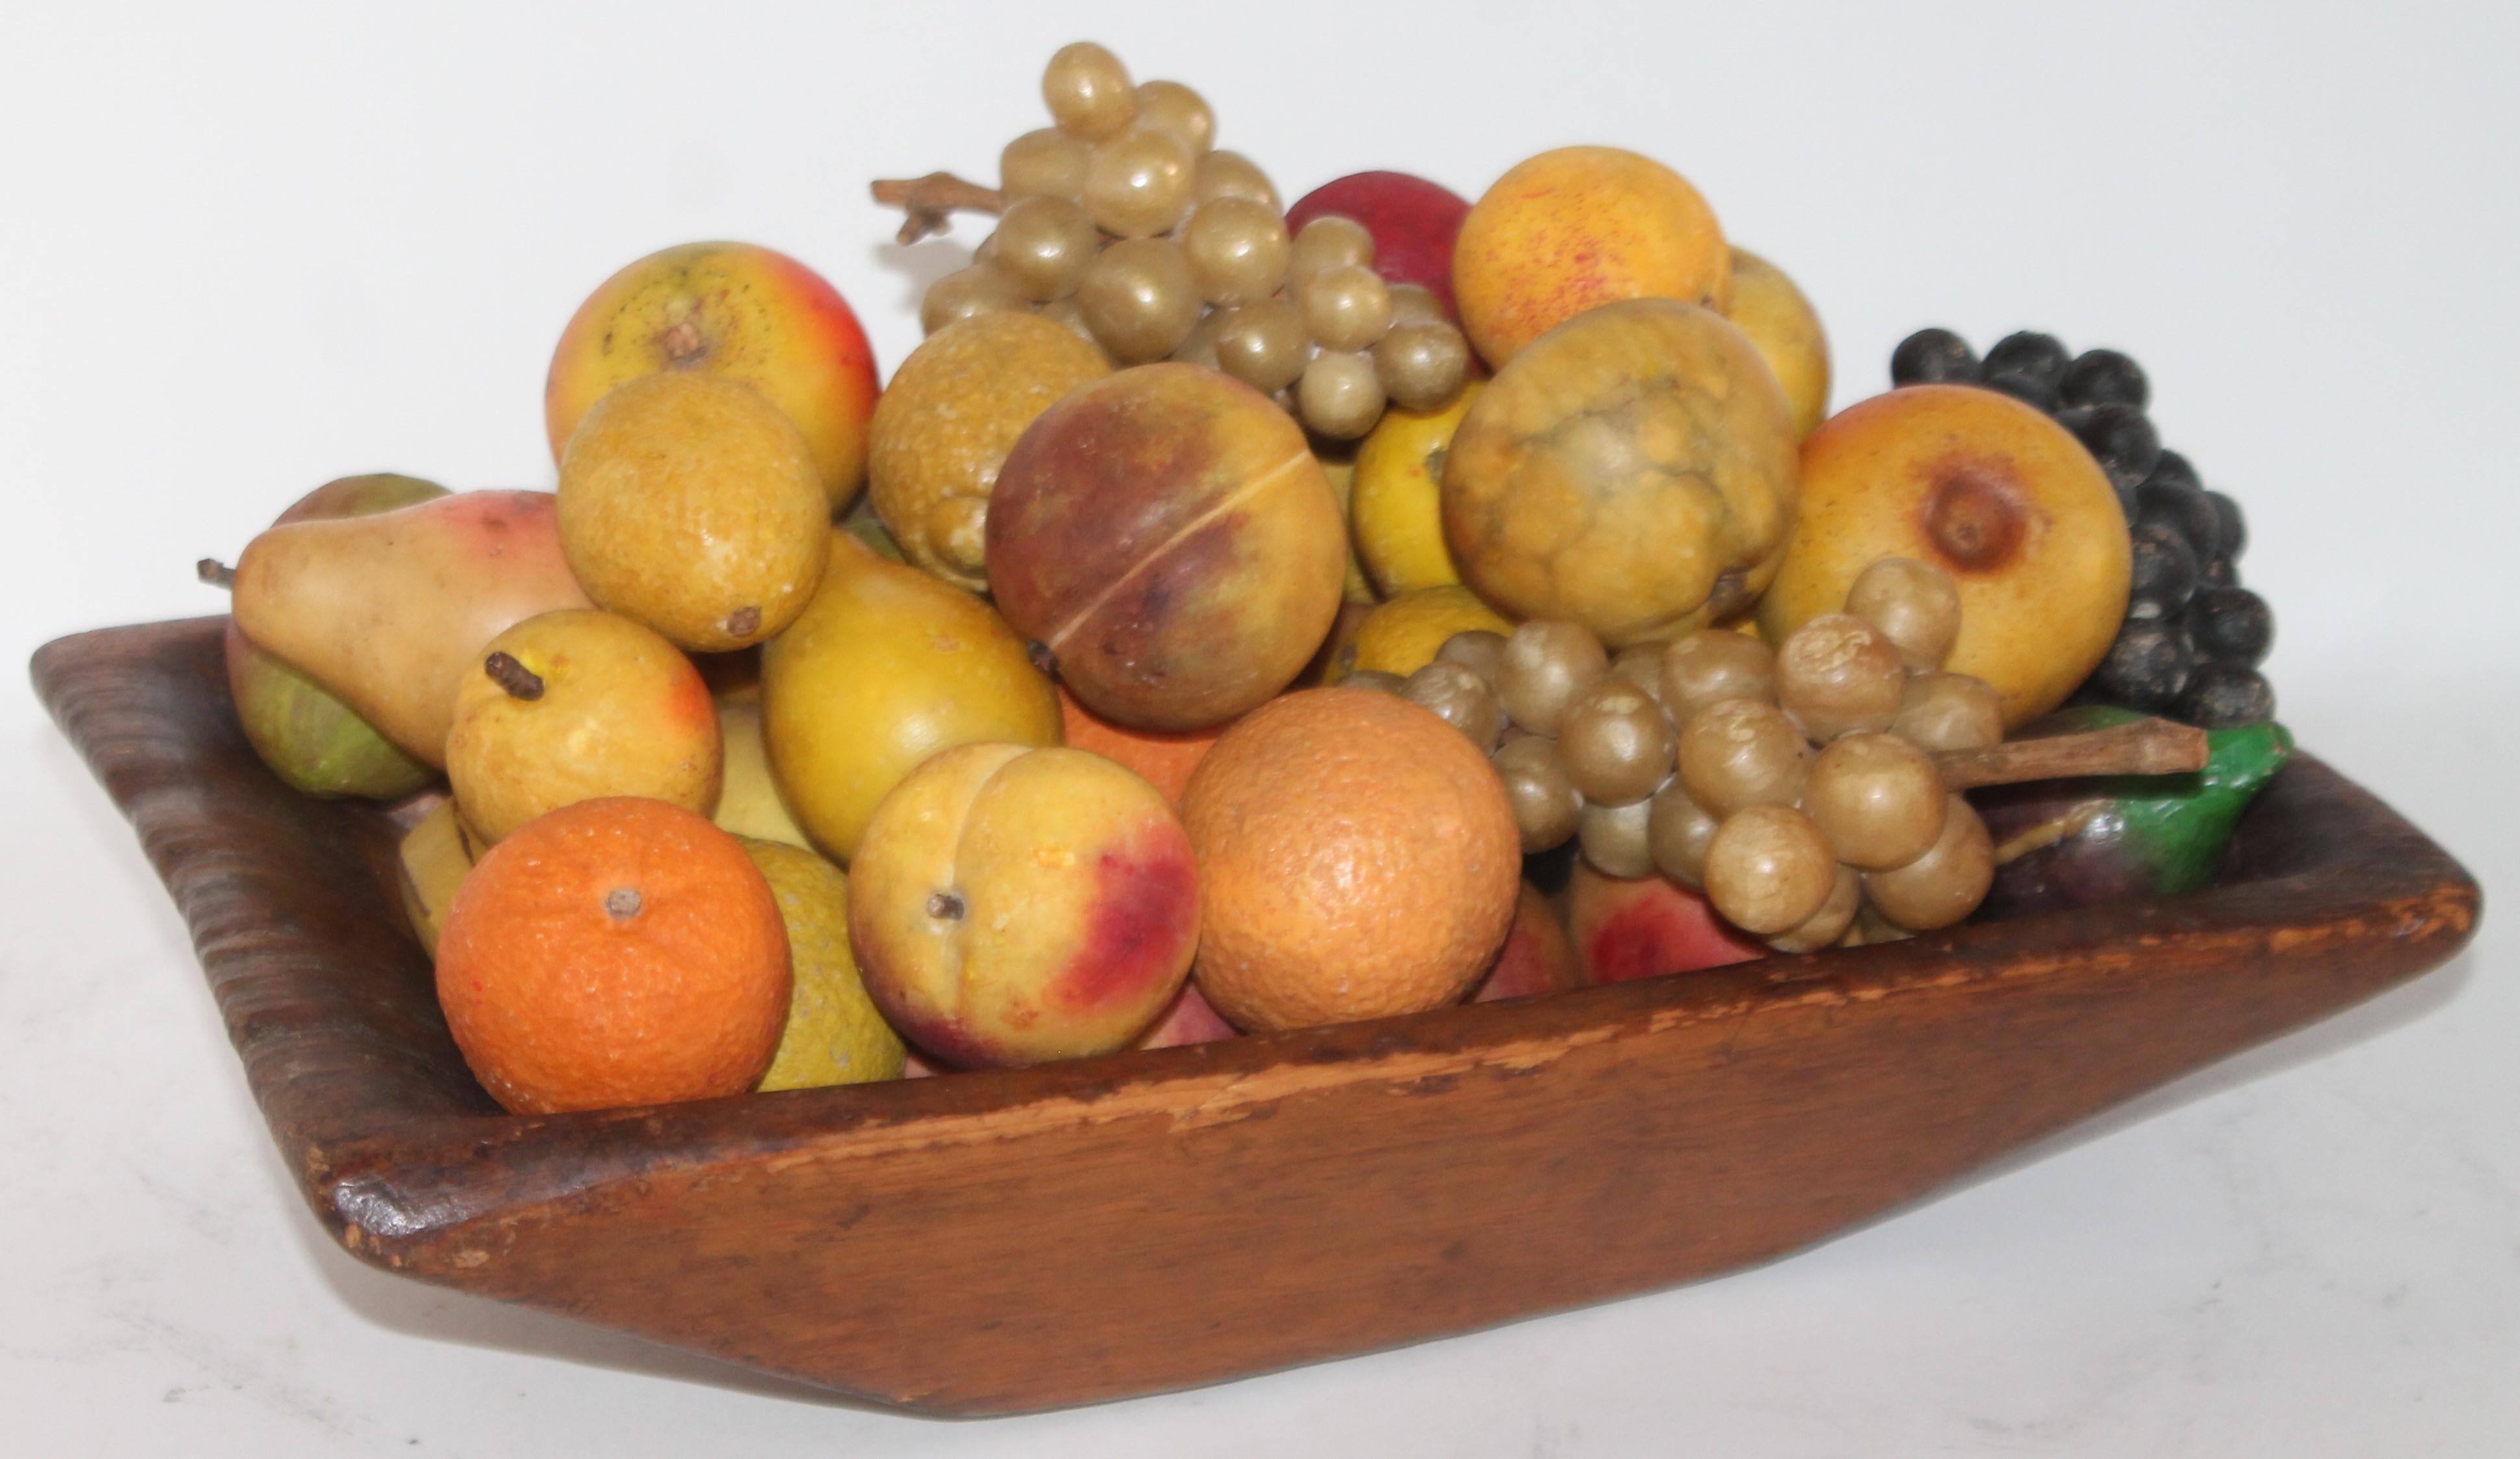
(834, 1035)
(1397, 515)
(1400, 636)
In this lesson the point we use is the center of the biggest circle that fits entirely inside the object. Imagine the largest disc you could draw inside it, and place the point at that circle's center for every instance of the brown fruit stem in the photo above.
(216, 574)
(506, 672)
(2147, 746)
(930, 203)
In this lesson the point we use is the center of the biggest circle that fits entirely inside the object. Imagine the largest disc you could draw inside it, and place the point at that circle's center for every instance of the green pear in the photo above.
(311, 739)
(389, 611)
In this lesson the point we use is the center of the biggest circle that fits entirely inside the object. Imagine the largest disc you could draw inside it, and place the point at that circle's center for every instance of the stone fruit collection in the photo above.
(1236, 617)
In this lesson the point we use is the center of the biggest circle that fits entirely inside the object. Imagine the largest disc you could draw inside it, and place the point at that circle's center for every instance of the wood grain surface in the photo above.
(1008, 1241)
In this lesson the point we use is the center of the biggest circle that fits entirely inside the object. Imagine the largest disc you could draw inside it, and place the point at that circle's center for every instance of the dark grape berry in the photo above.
(2186, 510)
(2219, 573)
(2165, 573)
(2029, 390)
(2222, 696)
(2040, 357)
(1933, 356)
(2148, 665)
(2104, 376)
(2174, 470)
(2236, 531)
(2231, 627)
(2122, 441)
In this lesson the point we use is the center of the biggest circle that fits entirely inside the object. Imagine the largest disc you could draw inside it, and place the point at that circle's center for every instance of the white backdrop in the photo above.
(248, 248)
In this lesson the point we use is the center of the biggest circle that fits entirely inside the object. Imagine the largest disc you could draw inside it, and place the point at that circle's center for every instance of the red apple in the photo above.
(1413, 223)
(1626, 930)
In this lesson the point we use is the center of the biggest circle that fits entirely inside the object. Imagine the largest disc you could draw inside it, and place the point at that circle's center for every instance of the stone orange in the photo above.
(1357, 859)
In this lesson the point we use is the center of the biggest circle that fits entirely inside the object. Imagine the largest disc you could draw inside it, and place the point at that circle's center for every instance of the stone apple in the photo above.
(736, 310)
(1413, 223)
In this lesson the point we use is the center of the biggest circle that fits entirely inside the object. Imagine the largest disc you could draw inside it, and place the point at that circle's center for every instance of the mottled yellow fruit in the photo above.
(943, 428)
(1632, 471)
(575, 705)
(1400, 636)
(1781, 323)
(748, 801)
(1572, 229)
(1397, 512)
(886, 667)
(689, 503)
(1994, 493)
(834, 1033)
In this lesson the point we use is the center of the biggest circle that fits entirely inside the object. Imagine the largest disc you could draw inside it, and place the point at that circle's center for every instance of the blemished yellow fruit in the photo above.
(945, 424)
(1397, 512)
(834, 1033)
(577, 706)
(691, 503)
(748, 801)
(1996, 495)
(436, 852)
(888, 665)
(1400, 636)
(1781, 323)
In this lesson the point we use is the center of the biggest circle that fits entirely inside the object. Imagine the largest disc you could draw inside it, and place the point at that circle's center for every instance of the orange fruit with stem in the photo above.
(616, 951)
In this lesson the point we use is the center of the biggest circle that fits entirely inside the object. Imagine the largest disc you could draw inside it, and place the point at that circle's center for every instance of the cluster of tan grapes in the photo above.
(1796, 786)
(1127, 224)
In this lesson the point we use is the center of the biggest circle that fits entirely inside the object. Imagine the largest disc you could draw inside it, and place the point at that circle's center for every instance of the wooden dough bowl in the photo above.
(1019, 1240)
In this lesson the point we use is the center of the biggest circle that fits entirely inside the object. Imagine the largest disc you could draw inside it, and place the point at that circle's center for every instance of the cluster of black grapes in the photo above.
(2194, 637)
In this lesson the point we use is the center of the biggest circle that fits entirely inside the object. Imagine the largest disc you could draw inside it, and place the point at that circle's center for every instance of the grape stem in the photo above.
(2147, 747)
(928, 204)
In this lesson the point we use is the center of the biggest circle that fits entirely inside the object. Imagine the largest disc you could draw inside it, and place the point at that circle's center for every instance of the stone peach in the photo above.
(1538, 957)
(1996, 495)
(1168, 539)
(1644, 928)
(1011, 905)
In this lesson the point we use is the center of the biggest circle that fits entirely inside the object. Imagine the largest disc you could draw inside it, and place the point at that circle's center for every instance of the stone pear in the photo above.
(389, 611)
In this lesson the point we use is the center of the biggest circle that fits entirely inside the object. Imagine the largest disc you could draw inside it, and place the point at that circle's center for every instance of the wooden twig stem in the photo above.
(2147, 746)
(216, 574)
(928, 204)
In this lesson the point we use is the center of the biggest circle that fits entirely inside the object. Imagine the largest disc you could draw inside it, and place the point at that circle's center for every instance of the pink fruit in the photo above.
(1624, 930)
(1537, 958)
(1190, 1020)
